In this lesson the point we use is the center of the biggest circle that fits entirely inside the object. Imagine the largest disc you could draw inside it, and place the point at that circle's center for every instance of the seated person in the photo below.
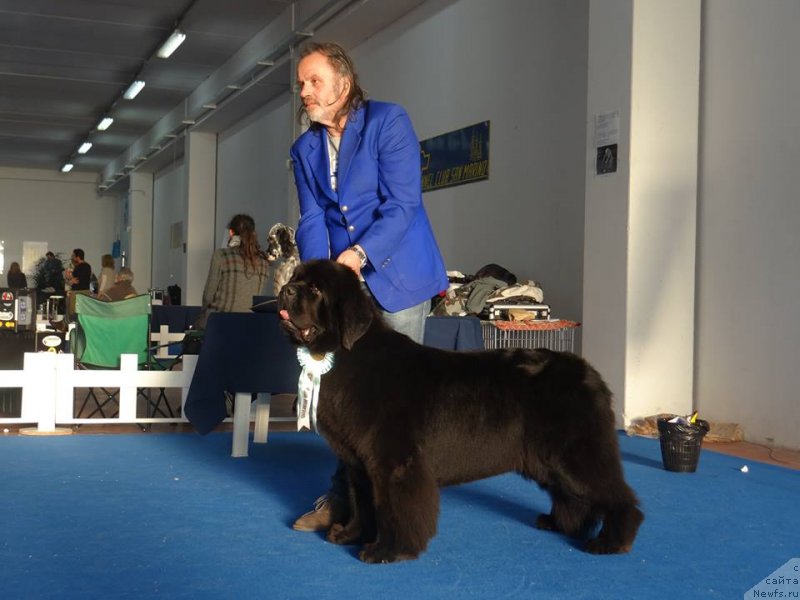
(122, 288)
(16, 278)
(237, 272)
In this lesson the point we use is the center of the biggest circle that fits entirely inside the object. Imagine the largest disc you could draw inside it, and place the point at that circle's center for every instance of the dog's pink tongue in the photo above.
(284, 315)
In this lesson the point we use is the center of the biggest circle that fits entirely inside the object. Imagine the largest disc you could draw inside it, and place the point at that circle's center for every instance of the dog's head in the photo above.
(323, 307)
(281, 242)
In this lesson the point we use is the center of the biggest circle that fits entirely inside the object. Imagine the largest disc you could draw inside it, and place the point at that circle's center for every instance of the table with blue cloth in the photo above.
(241, 353)
(454, 333)
(247, 353)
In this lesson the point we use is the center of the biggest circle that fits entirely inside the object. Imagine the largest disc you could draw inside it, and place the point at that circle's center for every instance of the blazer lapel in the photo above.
(318, 161)
(350, 142)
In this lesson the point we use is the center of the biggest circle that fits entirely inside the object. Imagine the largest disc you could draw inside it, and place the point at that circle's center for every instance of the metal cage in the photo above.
(553, 335)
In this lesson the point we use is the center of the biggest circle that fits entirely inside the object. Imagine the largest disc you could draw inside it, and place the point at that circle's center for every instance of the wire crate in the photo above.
(554, 335)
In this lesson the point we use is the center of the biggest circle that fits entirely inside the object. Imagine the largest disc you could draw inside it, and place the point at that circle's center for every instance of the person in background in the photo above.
(107, 274)
(122, 287)
(53, 274)
(81, 274)
(16, 278)
(237, 272)
(358, 177)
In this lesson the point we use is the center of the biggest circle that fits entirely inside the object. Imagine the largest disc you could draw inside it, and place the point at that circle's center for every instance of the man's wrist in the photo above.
(362, 256)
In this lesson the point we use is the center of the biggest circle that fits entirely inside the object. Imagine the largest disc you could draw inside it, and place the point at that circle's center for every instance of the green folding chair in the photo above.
(105, 331)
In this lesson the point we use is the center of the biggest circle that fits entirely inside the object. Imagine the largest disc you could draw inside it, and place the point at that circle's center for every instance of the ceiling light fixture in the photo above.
(105, 123)
(67, 167)
(133, 90)
(172, 43)
(85, 147)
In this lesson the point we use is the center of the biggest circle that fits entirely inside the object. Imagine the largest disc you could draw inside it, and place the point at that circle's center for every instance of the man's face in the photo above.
(322, 90)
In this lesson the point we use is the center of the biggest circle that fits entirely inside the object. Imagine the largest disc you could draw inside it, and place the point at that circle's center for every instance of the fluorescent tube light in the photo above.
(105, 123)
(85, 147)
(172, 43)
(133, 90)
(67, 168)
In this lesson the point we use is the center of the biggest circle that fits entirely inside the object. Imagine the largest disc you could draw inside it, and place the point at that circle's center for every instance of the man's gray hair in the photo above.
(125, 274)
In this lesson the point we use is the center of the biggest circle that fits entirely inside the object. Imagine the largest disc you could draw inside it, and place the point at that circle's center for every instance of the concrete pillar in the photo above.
(200, 161)
(639, 256)
(140, 207)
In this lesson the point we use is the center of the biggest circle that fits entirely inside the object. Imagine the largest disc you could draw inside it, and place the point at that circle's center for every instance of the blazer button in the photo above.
(344, 208)
(351, 228)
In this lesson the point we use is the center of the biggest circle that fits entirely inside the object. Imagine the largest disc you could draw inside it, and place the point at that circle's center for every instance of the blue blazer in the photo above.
(378, 204)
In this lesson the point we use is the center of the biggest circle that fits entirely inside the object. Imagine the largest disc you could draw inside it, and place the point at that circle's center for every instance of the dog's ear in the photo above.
(355, 310)
(353, 324)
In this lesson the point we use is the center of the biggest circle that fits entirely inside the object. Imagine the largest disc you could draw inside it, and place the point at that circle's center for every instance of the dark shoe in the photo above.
(324, 514)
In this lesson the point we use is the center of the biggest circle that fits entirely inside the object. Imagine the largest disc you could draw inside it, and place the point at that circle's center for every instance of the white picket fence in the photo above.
(48, 381)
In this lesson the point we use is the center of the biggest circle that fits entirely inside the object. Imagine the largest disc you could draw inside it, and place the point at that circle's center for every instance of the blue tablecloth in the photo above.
(241, 352)
(249, 352)
(454, 333)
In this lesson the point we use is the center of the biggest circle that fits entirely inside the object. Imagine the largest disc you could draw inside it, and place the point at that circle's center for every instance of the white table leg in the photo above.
(262, 418)
(241, 423)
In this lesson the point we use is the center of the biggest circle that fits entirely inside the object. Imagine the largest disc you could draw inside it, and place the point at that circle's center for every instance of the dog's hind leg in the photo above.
(588, 487)
(406, 511)
(606, 497)
(621, 520)
(569, 514)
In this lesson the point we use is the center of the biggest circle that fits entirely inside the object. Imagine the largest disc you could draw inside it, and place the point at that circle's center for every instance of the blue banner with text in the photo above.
(457, 157)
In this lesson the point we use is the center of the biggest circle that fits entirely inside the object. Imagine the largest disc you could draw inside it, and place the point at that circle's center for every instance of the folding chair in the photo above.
(106, 330)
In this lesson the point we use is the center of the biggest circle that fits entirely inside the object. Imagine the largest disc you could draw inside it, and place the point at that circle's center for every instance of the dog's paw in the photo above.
(546, 523)
(339, 534)
(377, 554)
(602, 546)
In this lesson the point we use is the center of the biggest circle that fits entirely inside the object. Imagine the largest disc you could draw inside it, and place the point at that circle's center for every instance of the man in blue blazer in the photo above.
(357, 171)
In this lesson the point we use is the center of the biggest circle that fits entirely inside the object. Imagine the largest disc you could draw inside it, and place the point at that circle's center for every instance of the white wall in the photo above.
(521, 65)
(252, 175)
(748, 277)
(169, 207)
(63, 210)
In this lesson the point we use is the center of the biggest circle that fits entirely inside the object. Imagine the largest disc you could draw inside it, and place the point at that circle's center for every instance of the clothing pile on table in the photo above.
(492, 293)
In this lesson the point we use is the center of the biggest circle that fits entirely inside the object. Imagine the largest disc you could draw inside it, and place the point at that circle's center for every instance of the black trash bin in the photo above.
(681, 443)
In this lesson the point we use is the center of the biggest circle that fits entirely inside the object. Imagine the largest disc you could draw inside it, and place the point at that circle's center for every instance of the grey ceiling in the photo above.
(65, 63)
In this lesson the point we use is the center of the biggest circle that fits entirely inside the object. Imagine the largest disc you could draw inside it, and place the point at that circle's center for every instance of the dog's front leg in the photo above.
(360, 526)
(406, 511)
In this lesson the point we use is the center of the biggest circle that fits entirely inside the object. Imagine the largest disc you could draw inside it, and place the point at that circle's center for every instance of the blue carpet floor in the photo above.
(174, 516)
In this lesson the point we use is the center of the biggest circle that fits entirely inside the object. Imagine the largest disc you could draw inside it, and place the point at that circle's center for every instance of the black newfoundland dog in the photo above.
(406, 419)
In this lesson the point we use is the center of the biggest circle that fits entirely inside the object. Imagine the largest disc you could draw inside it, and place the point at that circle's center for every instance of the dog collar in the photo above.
(308, 386)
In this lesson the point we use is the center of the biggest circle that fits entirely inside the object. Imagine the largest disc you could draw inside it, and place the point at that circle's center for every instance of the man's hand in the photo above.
(350, 259)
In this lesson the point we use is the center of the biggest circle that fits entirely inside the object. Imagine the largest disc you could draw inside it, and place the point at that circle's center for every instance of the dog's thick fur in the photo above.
(406, 419)
(282, 254)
